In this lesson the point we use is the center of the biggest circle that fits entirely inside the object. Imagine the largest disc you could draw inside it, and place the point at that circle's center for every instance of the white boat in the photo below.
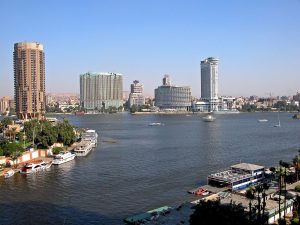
(227, 111)
(262, 120)
(90, 136)
(278, 125)
(83, 149)
(155, 124)
(9, 173)
(208, 118)
(35, 167)
(45, 165)
(63, 157)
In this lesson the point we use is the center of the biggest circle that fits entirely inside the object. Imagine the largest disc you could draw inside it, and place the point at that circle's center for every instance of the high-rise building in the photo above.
(136, 96)
(4, 104)
(169, 97)
(101, 90)
(209, 82)
(29, 80)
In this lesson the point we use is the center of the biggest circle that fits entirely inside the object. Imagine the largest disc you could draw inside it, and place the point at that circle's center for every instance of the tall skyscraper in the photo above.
(29, 80)
(209, 82)
(101, 90)
(136, 96)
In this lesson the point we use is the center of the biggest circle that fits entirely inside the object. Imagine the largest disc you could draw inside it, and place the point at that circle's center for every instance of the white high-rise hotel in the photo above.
(101, 90)
(209, 82)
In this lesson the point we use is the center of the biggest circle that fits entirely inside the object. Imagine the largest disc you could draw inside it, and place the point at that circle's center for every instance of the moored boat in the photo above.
(84, 148)
(35, 167)
(63, 157)
(90, 136)
(9, 173)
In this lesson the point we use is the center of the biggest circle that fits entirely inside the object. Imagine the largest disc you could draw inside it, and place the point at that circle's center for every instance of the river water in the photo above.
(137, 167)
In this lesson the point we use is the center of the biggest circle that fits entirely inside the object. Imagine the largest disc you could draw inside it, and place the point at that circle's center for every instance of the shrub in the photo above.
(56, 150)
(297, 188)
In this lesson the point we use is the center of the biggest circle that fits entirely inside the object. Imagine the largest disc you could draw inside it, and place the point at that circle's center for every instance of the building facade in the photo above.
(209, 82)
(169, 97)
(136, 96)
(101, 90)
(29, 80)
(4, 104)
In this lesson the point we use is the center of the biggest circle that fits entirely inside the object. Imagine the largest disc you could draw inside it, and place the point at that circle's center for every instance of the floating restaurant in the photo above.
(238, 176)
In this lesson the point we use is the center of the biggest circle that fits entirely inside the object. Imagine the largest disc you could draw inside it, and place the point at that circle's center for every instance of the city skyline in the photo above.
(256, 42)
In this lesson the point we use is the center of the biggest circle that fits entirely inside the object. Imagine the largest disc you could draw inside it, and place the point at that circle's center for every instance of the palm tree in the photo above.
(280, 185)
(250, 195)
(266, 186)
(296, 163)
(259, 189)
(285, 166)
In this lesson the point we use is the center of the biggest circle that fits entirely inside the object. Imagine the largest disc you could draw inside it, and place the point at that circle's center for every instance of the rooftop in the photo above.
(247, 166)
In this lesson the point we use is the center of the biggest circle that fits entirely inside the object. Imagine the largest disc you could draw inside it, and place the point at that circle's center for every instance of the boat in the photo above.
(208, 118)
(46, 165)
(63, 157)
(278, 125)
(227, 111)
(155, 124)
(9, 173)
(262, 120)
(90, 136)
(35, 167)
(83, 149)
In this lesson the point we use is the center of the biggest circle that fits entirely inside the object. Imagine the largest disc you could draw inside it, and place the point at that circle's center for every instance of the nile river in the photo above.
(137, 167)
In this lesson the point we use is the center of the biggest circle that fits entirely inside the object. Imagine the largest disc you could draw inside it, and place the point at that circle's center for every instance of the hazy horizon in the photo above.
(257, 42)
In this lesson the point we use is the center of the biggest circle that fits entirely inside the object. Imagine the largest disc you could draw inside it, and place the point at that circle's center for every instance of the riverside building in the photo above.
(29, 80)
(209, 83)
(136, 96)
(101, 90)
(172, 98)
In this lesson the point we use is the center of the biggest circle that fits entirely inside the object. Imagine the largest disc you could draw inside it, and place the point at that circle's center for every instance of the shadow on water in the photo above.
(32, 213)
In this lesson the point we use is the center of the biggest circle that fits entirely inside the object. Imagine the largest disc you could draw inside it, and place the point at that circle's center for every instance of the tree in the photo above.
(56, 150)
(250, 195)
(212, 213)
(285, 165)
(14, 156)
(134, 108)
(66, 134)
(296, 163)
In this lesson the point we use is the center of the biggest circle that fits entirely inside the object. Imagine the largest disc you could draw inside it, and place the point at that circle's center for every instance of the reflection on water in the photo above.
(138, 167)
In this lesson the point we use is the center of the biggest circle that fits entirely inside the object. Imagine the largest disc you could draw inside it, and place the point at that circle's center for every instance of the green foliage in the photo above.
(249, 108)
(8, 149)
(45, 134)
(1, 152)
(297, 188)
(66, 134)
(134, 108)
(6, 121)
(295, 221)
(57, 150)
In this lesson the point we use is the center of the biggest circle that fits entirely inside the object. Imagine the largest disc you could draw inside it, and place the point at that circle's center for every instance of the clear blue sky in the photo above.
(256, 41)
